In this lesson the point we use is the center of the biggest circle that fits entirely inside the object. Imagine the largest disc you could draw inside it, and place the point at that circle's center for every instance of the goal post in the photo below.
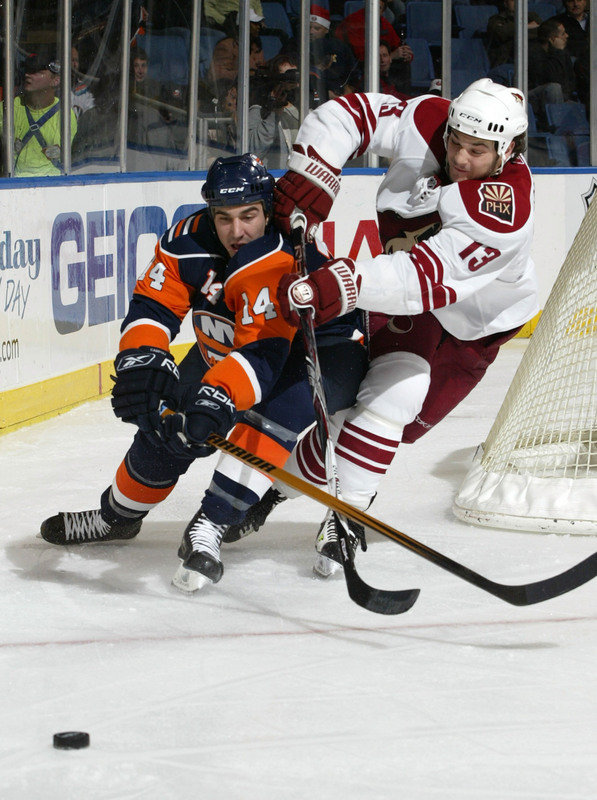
(537, 470)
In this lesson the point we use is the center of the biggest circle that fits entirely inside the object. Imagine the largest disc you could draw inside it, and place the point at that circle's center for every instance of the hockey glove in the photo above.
(311, 185)
(327, 292)
(206, 409)
(144, 376)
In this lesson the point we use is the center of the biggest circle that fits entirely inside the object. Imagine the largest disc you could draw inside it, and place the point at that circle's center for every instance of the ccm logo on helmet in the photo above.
(233, 190)
(470, 117)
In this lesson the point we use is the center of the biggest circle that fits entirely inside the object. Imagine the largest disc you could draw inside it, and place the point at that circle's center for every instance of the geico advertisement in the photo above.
(70, 256)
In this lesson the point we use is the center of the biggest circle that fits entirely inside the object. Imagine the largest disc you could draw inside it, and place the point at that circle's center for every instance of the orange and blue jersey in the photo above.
(243, 339)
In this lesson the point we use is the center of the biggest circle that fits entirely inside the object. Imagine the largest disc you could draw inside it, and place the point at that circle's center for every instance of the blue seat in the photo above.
(569, 117)
(208, 38)
(582, 148)
(557, 150)
(350, 6)
(293, 9)
(271, 46)
(469, 63)
(502, 74)
(424, 21)
(422, 71)
(470, 54)
(275, 16)
(167, 55)
(473, 19)
(532, 129)
(545, 10)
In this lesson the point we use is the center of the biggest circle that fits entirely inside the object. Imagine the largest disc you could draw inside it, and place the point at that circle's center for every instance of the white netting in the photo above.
(538, 468)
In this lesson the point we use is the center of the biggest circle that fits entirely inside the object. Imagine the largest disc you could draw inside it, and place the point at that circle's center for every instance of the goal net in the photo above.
(537, 470)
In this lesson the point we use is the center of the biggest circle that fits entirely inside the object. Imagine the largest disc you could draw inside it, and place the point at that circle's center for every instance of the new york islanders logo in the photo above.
(497, 200)
(215, 336)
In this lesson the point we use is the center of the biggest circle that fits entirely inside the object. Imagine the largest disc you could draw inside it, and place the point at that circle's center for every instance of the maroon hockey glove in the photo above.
(327, 292)
(311, 185)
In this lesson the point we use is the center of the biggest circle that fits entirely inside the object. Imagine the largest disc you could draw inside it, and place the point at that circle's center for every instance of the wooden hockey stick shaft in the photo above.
(518, 595)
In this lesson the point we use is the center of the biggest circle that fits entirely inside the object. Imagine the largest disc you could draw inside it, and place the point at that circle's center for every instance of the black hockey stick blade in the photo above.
(380, 601)
(522, 595)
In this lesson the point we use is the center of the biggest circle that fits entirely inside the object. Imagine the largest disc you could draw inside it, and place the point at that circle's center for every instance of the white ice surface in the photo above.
(273, 685)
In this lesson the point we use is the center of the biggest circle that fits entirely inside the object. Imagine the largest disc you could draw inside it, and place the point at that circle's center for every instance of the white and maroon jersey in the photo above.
(460, 250)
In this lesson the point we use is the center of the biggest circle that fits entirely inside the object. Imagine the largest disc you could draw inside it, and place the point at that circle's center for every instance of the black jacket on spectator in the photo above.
(551, 66)
(500, 36)
(578, 37)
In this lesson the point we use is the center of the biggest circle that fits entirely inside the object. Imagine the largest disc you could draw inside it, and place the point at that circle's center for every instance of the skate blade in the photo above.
(188, 581)
(324, 566)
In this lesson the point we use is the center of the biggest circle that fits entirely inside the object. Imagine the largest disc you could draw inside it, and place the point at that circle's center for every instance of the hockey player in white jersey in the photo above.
(456, 280)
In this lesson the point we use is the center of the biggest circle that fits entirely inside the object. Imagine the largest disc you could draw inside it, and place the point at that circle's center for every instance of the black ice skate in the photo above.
(199, 553)
(86, 527)
(256, 516)
(328, 559)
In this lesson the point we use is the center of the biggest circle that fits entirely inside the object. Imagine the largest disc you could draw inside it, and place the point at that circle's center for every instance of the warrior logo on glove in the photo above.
(301, 293)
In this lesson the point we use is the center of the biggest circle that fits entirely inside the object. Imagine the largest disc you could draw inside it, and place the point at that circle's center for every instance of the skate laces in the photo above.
(328, 533)
(85, 525)
(206, 536)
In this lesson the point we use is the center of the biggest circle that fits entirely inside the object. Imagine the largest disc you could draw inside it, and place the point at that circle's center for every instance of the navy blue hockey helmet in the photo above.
(238, 181)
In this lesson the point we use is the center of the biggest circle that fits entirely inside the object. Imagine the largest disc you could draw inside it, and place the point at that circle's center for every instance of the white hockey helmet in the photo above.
(491, 111)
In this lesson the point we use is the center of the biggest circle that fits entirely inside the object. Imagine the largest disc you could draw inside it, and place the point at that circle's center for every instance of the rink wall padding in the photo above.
(71, 250)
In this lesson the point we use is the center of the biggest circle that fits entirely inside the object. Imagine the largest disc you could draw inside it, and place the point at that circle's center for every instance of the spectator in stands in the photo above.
(500, 35)
(150, 144)
(256, 57)
(81, 95)
(551, 71)
(97, 134)
(37, 118)
(274, 117)
(140, 83)
(331, 57)
(351, 30)
(333, 69)
(391, 80)
(222, 70)
(575, 20)
(222, 14)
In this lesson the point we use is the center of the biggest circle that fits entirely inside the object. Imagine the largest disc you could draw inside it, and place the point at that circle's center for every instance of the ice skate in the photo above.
(256, 516)
(328, 559)
(86, 527)
(199, 553)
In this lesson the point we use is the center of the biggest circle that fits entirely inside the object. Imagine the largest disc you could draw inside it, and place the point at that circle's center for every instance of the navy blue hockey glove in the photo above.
(144, 376)
(204, 410)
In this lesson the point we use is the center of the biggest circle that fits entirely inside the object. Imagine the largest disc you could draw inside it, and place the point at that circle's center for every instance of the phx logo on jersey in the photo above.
(497, 200)
(215, 336)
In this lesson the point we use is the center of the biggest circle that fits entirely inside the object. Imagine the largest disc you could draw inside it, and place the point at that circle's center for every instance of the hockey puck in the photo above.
(71, 740)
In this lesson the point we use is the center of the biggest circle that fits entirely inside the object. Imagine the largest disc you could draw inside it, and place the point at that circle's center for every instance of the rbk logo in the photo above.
(130, 362)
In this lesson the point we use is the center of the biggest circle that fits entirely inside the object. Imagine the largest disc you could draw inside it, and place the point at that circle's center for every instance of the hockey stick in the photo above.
(381, 601)
(525, 594)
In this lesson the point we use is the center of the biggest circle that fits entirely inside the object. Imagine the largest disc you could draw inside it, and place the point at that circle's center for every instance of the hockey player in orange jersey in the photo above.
(245, 374)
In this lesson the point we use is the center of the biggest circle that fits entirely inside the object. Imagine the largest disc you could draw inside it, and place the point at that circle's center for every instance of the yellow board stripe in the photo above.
(28, 404)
